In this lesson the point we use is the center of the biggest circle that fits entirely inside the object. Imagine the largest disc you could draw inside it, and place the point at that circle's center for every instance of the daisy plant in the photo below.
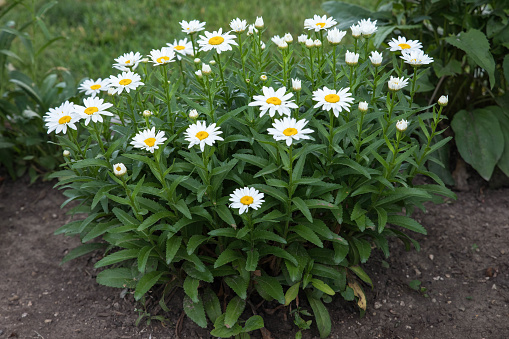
(263, 172)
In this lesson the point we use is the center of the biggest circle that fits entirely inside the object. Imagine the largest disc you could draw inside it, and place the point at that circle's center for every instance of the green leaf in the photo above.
(278, 252)
(191, 288)
(146, 283)
(227, 256)
(195, 311)
(82, 250)
(195, 241)
(307, 234)
(292, 293)
(382, 218)
(361, 274)
(320, 285)
(254, 323)
(182, 208)
(212, 305)
(225, 214)
(267, 170)
(476, 45)
(143, 257)
(272, 191)
(90, 163)
(272, 287)
(347, 14)
(172, 247)
(153, 219)
(364, 248)
(233, 311)
(267, 235)
(238, 284)
(321, 314)
(353, 165)
(301, 205)
(223, 232)
(503, 120)
(252, 159)
(116, 277)
(252, 260)
(117, 257)
(406, 222)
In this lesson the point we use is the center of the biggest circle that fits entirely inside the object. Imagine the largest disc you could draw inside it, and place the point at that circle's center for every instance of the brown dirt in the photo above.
(463, 265)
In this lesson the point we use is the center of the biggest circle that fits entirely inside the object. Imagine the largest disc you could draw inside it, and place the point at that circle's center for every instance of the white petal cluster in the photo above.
(201, 134)
(119, 169)
(395, 83)
(181, 47)
(192, 26)
(148, 139)
(59, 118)
(259, 22)
(93, 109)
(367, 27)
(402, 44)
(274, 101)
(127, 61)
(318, 23)
(329, 99)
(334, 36)
(245, 198)
(217, 40)
(416, 58)
(126, 81)
(363, 106)
(356, 31)
(289, 129)
(238, 25)
(351, 58)
(402, 125)
(162, 56)
(443, 100)
(376, 58)
(296, 84)
(94, 87)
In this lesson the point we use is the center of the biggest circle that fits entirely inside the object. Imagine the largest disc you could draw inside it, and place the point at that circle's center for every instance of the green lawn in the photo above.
(97, 31)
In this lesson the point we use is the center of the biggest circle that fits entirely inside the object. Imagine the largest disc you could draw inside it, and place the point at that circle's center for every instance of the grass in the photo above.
(97, 31)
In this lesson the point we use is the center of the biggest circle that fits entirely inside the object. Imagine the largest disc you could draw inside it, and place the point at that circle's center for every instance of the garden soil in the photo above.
(463, 267)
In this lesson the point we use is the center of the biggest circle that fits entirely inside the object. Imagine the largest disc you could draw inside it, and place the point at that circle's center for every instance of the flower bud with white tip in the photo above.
(193, 114)
(263, 77)
(310, 43)
(288, 38)
(197, 60)
(205, 69)
(259, 22)
(296, 85)
(199, 74)
(402, 125)
(147, 113)
(119, 169)
(363, 106)
(351, 58)
(443, 100)
(302, 38)
(376, 58)
(66, 153)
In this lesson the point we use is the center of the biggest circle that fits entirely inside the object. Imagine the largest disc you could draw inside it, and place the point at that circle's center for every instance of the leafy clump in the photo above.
(203, 170)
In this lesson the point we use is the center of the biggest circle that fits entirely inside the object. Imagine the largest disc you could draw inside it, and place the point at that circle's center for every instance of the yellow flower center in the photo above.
(94, 87)
(246, 200)
(179, 47)
(125, 82)
(202, 135)
(290, 131)
(91, 110)
(332, 98)
(274, 101)
(162, 59)
(64, 120)
(119, 168)
(321, 24)
(404, 46)
(150, 142)
(127, 62)
(217, 40)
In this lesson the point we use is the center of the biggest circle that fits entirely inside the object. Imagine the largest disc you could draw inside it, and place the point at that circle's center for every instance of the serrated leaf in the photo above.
(292, 293)
(211, 304)
(82, 250)
(195, 241)
(320, 285)
(406, 222)
(238, 284)
(195, 311)
(252, 260)
(301, 205)
(361, 274)
(146, 283)
(191, 288)
(272, 287)
(321, 314)
(227, 256)
(254, 323)
(117, 257)
(172, 247)
(226, 215)
(233, 311)
(307, 234)
(116, 277)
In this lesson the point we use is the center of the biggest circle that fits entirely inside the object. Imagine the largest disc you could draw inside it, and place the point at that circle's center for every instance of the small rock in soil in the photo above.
(431, 257)
(377, 305)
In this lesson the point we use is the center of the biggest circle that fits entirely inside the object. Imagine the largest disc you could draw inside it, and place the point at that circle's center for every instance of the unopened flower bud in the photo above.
(259, 22)
(193, 114)
(199, 73)
(145, 60)
(248, 81)
(147, 113)
(443, 100)
(317, 43)
(212, 62)
(111, 90)
(296, 85)
(66, 153)
(351, 58)
(363, 106)
(263, 77)
(356, 31)
(197, 60)
(262, 45)
(302, 38)
(376, 58)
(402, 125)
(288, 38)
(282, 45)
(119, 169)
(251, 30)
(206, 69)
(310, 43)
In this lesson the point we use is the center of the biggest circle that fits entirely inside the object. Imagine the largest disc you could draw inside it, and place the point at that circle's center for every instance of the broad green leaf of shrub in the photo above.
(479, 139)
(477, 47)
(503, 120)
(195, 311)
(116, 277)
(321, 314)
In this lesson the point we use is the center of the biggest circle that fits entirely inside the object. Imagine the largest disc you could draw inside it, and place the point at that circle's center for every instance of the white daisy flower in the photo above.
(416, 58)
(402, 44)
(192, 26)
(310, 43)
(334, 36)
(201, 134)
(243, 198)
(162, 56)
(288, 38)
(331, 99)
(94, 87)
(317, 43)
(274, 101)
(376, 58)
(259, 22)
(289, 129)
(367, 27)
(443, 100)
(351, 58)
(119, 169)
(181, 47)
(216, 40)
(59, 118)
(356, 31)
(279, 42)
(395, 83)
(251, 30)
(125, 81)
(148, 139)
(93, 110)
(318, 23)
(402, 125)
(128, 61)
(302, 38)
(238, 25)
